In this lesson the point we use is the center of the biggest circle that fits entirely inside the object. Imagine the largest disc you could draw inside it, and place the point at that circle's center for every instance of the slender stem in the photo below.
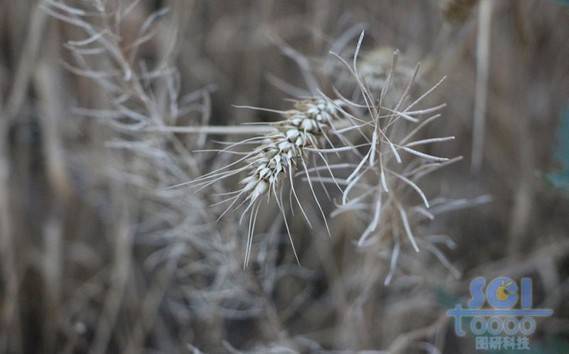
(482, 72)
(226, 129)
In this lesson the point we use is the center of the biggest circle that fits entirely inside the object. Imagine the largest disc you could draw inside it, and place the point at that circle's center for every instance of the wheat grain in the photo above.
(282, 152)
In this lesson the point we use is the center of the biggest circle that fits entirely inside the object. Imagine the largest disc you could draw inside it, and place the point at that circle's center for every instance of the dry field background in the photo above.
(98, 255)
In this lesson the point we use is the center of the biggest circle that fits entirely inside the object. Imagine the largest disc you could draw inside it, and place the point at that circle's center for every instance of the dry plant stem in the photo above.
(27, 61)
(391, 168)
(482, 75)
(139, 102)
(52, 112)
(120, 273)
(8, 112)
(10, 303)
(233, 130)
(151, 306)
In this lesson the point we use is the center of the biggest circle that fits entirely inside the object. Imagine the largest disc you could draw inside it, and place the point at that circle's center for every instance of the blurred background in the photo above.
(98, 257)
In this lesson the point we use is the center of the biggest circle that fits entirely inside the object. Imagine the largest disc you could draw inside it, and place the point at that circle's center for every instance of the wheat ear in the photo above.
(281, 154)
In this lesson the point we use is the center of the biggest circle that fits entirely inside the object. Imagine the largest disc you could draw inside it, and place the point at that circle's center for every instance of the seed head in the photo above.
(282, 152)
